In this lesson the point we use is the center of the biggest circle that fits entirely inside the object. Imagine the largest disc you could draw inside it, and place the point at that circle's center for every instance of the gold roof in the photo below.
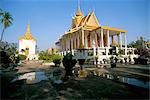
(27, 35)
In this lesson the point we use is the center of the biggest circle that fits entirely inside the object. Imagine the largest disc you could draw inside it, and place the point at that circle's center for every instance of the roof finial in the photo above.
(28, 28)
(79, 13)
(78, 4)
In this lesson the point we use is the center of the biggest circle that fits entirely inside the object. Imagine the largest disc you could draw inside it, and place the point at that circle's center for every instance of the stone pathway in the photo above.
(29, 66)
(131, 72)
(146, 67)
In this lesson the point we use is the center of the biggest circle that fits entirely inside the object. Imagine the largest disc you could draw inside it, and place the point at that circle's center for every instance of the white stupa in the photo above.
(27, 45)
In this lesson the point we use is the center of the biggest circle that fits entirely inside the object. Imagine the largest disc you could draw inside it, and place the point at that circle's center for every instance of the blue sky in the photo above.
(50, 18)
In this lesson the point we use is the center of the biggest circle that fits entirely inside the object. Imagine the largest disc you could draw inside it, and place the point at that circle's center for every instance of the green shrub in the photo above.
(56, 59)
(22, 57)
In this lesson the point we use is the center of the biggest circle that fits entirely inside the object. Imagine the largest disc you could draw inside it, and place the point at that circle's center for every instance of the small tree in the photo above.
(57, 59)
(68, 63)
(8, 54)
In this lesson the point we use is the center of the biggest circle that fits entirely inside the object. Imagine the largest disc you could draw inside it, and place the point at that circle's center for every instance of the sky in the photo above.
(49, 19)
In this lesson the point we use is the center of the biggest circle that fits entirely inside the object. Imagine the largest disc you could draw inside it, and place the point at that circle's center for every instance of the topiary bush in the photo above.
(68, 63)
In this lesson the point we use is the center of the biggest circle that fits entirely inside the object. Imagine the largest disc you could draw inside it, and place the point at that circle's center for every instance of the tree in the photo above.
(8, 53)
(1, 12)
(137, 44)
(142, 51)
(6, 20)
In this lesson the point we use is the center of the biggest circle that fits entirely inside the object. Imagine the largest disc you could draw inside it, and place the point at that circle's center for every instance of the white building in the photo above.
(27, 45)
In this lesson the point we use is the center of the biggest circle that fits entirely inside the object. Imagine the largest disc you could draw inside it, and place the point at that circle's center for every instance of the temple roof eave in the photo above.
(113, 29)
(23, 37)
(110, 28)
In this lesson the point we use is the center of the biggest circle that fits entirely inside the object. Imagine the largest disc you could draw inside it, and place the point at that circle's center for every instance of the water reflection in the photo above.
(32, 77)
(132, 81)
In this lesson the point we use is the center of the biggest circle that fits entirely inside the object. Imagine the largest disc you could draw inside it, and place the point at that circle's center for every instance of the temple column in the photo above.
(120, 40)
(91, 39)
(68, 42)
(133, 51)
(102, 41)
(86, 40)
(125, 43)
(72, 43)
(82, 36)
(108, 44)
(96, 43)
(65, 45)
(75, 41)
(67, 38)
(77, 37)
(62, 44)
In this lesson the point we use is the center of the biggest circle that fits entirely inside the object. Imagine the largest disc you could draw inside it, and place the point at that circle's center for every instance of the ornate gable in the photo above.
(92, 21)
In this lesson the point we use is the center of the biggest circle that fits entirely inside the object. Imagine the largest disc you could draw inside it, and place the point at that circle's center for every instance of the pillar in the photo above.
(132, 51)
(95, 34)
(125, 43)
(120, 40)
(86, 40)
(82, 36)
(68, 42)
(102, 41)
(108, 44)
(72, 43)
(78, 39)
(75, 42)
(91, 39)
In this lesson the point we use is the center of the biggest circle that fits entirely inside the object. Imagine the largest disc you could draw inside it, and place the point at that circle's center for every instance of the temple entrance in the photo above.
(27, 51)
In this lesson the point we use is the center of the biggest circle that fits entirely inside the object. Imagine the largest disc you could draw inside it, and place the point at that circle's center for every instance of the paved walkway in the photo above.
(146, 67)
(141, 70)
(133, 72)
(29, 66)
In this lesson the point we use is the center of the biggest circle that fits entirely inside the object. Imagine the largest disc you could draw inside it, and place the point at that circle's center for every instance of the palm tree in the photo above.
(6, 20)
(1, 12)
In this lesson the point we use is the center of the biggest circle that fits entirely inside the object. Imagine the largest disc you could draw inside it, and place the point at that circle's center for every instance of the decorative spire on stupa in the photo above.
(79, 13)
(28, 28)
(28, 35)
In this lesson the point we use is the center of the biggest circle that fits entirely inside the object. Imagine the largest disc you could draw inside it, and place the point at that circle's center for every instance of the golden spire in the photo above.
(79, 13)
(28, 29)
(28, 35)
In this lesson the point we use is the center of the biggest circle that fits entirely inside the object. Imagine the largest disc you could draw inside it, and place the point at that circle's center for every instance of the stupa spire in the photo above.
(79, 13)
(28, 29)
